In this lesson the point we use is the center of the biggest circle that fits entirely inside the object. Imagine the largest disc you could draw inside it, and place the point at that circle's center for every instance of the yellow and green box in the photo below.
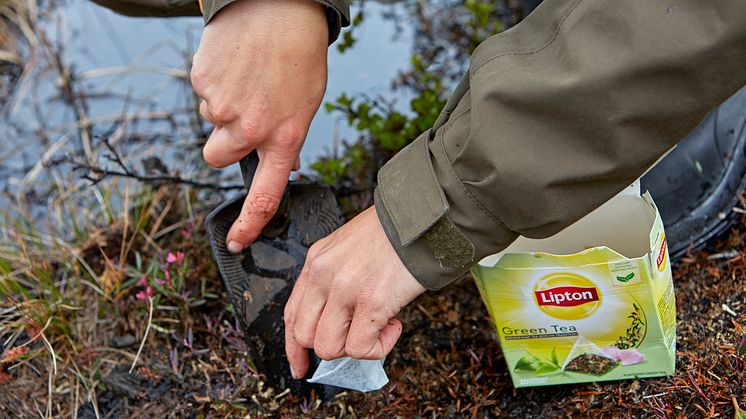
(592, 303)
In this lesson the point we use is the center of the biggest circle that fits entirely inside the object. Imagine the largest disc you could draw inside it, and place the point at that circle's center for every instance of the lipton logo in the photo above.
(567, 295)
(660, 260)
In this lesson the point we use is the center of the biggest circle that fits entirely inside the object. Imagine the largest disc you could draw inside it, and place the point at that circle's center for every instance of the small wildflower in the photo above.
(186, 232)
(175, 258)
(143, 282)
(160, 282)
(147, 293)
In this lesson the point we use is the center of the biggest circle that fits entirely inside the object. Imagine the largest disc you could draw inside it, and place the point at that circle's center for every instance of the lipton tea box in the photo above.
(592, 303)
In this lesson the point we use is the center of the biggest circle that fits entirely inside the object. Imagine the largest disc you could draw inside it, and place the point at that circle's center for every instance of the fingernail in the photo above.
(293, 373)
(235, 247)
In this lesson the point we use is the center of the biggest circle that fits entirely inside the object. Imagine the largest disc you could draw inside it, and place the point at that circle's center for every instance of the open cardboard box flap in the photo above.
(621, 226)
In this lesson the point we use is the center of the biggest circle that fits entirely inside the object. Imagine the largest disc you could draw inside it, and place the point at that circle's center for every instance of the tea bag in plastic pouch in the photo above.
(583, 346)
(354, 374)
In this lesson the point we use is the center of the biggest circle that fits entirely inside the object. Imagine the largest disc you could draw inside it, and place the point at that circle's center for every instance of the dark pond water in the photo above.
(138, 67)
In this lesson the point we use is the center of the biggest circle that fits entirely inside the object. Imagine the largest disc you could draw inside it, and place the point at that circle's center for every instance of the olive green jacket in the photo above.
(554, 117)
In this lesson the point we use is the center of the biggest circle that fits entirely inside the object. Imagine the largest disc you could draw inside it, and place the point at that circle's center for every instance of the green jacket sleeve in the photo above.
(337, 12)
(154, 8)
(556, 116)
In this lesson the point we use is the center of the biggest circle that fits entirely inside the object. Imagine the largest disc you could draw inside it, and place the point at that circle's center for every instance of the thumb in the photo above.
(223, 148)
(389, 335)
(264, 198)
(367, 340)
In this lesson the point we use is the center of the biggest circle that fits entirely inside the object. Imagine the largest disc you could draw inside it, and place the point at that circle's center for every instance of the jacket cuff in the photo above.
(337, 13)
(438, 230)
(338, 16)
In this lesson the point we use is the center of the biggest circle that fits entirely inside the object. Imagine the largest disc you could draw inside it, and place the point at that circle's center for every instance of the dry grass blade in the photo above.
(11, 57)
(145, 336)
(110, 71)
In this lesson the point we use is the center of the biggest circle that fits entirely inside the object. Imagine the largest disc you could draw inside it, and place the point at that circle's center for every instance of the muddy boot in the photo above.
(697, 186)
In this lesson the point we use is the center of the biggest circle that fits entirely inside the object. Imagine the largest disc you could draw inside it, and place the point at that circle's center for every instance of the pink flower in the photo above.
(177, 258)
(160, 282)
(625, 356)
(143, 295)
(143, 282)
(168, 275)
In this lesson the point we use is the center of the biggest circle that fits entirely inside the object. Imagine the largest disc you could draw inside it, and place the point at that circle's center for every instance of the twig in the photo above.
(102, 173)
(654, 395)
(114, 157)
(728, 310)
(724, 255)
(126, 172)
(145, 337)
(71, 96)
(696, 386)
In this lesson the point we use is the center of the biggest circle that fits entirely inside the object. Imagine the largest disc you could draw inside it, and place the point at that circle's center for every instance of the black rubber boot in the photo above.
(697, 186)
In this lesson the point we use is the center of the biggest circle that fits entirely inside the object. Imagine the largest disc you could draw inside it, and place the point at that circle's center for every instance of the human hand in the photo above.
(345, 300)
(261, 73)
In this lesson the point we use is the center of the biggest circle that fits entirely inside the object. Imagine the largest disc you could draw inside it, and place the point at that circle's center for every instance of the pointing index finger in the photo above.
(263, 199)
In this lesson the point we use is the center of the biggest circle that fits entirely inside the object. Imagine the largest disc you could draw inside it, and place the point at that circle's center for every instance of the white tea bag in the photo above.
(354, 374)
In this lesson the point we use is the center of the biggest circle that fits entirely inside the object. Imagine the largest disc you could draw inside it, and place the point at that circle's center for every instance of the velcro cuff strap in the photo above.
(411, 191)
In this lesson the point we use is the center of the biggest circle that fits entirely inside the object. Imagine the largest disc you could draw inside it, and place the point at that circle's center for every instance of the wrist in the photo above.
(307, 18)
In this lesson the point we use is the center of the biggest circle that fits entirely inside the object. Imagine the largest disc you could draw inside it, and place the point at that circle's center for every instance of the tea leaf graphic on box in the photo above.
(530, 362)
(625, 278)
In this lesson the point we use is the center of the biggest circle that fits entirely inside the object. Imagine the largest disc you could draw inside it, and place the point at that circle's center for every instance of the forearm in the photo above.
(555, 117)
